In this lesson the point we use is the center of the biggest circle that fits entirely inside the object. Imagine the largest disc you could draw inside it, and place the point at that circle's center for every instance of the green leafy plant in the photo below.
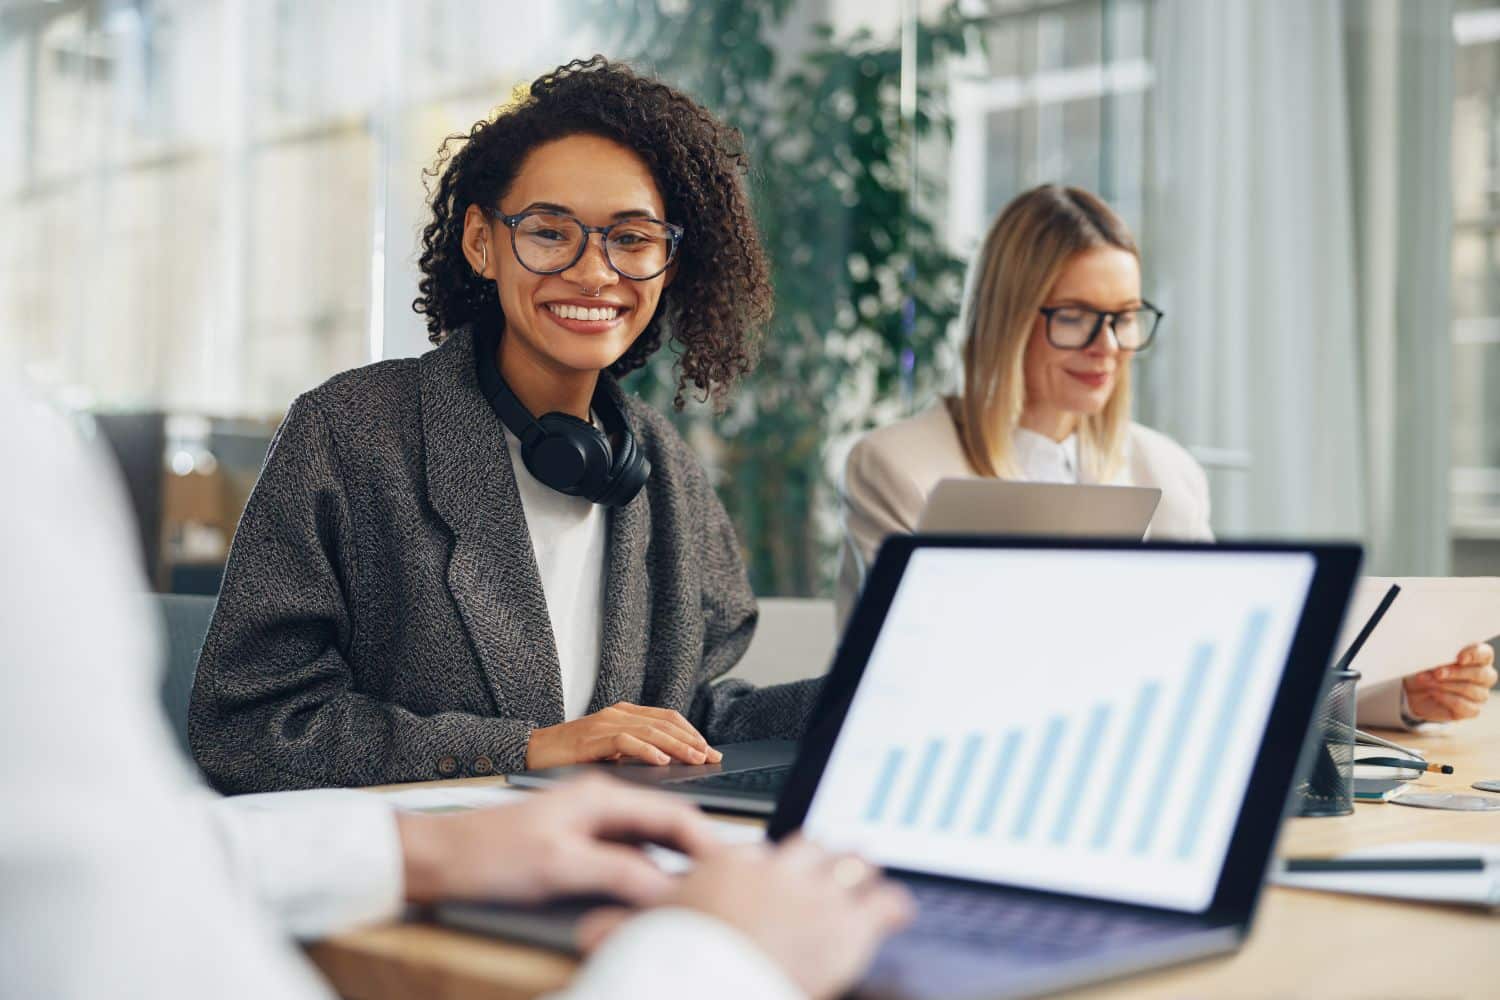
(866, 289)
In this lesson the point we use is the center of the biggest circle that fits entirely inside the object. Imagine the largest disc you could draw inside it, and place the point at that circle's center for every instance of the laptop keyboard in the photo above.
(1038, 926)
(766, 781)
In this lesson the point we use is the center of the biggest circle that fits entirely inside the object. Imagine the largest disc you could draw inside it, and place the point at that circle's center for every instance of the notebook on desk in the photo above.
(1478, 886)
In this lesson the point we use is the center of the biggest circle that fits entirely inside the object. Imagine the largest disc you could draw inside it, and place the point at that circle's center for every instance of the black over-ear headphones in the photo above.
(570, 455)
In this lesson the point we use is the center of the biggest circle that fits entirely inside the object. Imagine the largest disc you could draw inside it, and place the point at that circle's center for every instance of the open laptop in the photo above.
(748, 779)
(999, 506)
(1076, 754)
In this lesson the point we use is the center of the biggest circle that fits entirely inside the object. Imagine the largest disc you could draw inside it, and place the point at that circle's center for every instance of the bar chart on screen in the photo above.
(1062, 781)
(1098, 750)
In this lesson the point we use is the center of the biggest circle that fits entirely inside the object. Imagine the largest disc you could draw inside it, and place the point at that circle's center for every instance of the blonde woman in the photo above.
(1055, 318)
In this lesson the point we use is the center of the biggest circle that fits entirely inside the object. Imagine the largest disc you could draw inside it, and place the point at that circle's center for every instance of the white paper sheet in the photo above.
(1432, 619)
(453, 798)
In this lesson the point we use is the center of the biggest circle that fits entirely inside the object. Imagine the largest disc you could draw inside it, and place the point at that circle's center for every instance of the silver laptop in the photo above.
(1002, 507)
(1076, 754)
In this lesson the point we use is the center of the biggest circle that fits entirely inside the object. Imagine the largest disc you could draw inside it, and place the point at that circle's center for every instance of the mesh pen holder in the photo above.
(1329, 788)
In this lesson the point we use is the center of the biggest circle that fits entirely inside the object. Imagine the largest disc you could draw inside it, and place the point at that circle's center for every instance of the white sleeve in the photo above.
(319, 861)
(678, 954)
(115, 878)
(1381, 706)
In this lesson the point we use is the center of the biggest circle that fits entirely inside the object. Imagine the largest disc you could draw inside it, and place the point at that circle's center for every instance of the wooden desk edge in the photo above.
(424, 960)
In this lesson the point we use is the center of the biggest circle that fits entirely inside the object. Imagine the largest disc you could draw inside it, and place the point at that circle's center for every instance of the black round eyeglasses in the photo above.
(547, 242)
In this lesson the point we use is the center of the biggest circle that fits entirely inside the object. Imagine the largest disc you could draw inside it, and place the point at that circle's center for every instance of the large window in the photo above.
(1476, 290)
(1059, 94)
(212, 205)
(221, 200)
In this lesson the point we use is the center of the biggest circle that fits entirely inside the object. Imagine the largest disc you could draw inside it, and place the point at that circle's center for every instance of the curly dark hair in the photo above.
(719, 302)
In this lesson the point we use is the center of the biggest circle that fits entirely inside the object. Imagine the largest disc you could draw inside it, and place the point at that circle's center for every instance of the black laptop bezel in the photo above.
(1284, 752)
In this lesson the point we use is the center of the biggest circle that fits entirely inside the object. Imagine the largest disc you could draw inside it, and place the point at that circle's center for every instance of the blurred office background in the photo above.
(209, 206)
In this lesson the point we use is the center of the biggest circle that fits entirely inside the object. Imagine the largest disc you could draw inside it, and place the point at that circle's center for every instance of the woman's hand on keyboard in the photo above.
(623, 730)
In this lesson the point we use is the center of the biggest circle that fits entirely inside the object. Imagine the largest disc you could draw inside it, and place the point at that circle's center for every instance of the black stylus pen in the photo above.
(1385, 864)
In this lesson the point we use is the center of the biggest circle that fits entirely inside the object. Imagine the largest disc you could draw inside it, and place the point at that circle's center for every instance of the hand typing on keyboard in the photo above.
(817, 915)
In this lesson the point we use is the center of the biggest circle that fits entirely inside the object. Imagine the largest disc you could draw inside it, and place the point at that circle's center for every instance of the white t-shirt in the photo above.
(568, 536)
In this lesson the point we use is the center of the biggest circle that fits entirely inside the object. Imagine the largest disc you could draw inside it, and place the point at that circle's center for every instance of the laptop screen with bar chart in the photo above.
(1071, 720)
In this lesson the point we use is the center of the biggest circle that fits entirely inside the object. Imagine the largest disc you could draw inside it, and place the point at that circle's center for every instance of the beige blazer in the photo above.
(891, 470)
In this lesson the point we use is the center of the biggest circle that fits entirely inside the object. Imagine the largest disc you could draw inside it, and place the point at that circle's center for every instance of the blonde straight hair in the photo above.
(1024, 254)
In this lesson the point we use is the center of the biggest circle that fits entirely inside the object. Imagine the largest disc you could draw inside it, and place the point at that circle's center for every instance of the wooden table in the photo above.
(1305, 944)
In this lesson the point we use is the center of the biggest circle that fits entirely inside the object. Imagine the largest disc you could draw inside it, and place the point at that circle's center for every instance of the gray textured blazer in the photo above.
(382, 617)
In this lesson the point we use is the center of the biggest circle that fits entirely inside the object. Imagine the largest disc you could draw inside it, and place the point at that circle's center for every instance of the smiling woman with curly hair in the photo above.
(491, 558)
(719, 297)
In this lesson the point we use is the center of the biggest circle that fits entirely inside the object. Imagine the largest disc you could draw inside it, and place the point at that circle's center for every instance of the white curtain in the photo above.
(1299, 228)
(1401, 76)
(1250, 241)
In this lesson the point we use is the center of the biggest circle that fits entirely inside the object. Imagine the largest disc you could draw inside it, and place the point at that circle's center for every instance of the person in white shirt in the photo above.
(121, 875)
(1054, 319)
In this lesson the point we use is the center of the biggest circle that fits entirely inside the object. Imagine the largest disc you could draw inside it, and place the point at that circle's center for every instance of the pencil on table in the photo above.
(1411, 765)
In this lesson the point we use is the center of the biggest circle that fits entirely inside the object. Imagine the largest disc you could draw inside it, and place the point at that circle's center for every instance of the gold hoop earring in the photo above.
(484, 252)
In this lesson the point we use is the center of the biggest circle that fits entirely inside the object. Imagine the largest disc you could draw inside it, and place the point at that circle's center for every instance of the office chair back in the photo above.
(185, 619)
(795, 639)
